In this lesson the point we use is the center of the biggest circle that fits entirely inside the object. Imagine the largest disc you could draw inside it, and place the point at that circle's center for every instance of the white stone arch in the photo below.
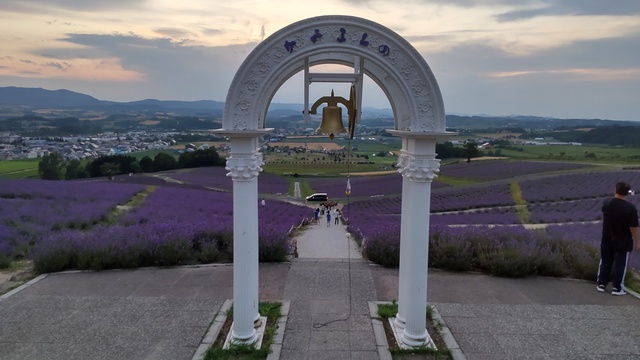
(402, 73)
(413, 93)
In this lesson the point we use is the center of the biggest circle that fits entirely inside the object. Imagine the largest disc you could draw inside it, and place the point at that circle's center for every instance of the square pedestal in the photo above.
(259, 333)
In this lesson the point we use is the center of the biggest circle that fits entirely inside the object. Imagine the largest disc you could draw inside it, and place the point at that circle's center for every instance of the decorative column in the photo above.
(405, 251)
(244, 166)
(418, 166)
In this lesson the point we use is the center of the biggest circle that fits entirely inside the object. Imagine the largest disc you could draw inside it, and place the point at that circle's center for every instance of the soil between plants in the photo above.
(434, 333)
(226, 327)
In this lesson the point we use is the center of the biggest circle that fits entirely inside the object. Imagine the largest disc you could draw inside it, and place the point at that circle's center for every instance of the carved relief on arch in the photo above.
(340, 34)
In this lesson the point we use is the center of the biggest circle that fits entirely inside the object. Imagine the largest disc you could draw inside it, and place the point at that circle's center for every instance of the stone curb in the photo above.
(447, 336)
(381, 338)
(216, 326)
(378, 331)
(23, 286)
(278, 338)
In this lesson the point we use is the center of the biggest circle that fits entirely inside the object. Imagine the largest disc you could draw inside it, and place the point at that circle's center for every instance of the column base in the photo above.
(254, 339)
(405, 341)
(399, 322)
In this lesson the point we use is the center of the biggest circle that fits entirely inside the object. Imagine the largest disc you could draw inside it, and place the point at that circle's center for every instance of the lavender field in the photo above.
(186, 217)
(487, 223)
(585, 185)
(30, 209)
(573, 197)
(487, 170)
(362, 186)
(216, 178)
(62, 225)
(444, 200)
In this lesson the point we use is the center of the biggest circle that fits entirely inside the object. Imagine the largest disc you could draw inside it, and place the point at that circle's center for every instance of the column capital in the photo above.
(244, 167)
(418, 168)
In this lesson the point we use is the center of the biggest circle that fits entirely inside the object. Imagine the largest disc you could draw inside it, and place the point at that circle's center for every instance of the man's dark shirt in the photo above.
(617, 217)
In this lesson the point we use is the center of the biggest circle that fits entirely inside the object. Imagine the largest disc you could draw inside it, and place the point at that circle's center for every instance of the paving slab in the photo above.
(152, 313)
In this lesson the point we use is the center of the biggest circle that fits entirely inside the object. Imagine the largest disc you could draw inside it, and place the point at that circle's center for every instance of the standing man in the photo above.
(619, 231)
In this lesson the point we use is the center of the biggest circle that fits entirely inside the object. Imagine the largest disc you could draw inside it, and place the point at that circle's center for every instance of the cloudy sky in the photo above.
(559, 58)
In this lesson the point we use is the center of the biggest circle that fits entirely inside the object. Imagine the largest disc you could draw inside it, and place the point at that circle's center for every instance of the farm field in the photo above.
(583, 153)
(308, 145)
(318, 160)
(19, 169)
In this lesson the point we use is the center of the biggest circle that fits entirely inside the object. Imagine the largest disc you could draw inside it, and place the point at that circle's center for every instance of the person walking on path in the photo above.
(328, 218)
(619, 232)
(336, 217)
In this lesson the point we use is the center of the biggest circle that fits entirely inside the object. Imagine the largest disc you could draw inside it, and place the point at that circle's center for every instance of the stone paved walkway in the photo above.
(164, 313)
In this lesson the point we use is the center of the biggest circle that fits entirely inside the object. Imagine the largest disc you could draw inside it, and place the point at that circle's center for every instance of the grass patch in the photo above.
(21, 270)
(135, 201)
(19, 169)
(305, 188)
(521, 203)
(247, 352)
(386, 311)
(318, 169)
(632, 280)
(454, 181)
(596, 153)
(18, 265)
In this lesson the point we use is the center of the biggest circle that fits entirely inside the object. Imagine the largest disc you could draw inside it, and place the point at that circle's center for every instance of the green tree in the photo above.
(135, 167)
(146, 164)
(199, 158)
(75, 170)
(51, 167)
(187, 160)
(123, 161)
(164, 161)
(110, 169)
(209, 157)
(445, 150)
(471, 150)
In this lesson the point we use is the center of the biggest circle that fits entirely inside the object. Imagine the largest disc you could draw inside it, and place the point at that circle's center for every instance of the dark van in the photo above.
(318, 197)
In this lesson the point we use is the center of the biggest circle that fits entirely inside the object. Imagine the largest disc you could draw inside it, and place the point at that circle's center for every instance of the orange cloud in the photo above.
(109, 69)
(578, 73)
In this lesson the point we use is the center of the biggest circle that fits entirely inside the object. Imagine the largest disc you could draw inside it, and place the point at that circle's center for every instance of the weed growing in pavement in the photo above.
(386, 311)
(632, 281)
(247, 352)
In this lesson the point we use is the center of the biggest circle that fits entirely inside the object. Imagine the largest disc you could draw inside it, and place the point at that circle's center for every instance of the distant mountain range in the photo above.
(39, 98)
(16, 101)
(65, 99)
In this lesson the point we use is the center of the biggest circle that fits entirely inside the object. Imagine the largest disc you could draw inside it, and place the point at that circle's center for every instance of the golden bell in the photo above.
(331, 114)
(331, 121)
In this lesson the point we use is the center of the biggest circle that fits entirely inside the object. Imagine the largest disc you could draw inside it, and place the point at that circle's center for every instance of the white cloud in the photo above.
(572, 8)
(46, 6)
(489, 56)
